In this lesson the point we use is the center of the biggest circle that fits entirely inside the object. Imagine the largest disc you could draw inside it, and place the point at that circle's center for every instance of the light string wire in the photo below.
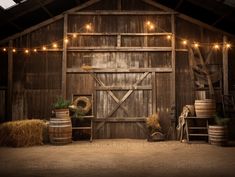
(53, 46)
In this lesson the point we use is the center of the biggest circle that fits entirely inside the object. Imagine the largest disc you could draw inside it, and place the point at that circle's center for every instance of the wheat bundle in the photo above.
(23, 133)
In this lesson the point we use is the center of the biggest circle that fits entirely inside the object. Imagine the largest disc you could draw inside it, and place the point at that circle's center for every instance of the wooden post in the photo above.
(9, 82)
(154, 94)
(225, 66)
(64, 58)
(173, 102)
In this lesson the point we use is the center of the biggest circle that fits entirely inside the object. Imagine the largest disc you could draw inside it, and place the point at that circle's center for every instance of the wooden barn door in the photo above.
(123, 100)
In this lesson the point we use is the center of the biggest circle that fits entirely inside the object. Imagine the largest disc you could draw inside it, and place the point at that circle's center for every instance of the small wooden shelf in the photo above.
(197, 128)
(198, 134)
(81, 128)
(88, 118)
(197, 131)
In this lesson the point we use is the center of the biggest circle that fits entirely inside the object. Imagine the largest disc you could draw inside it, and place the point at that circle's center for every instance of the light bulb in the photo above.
(151, 27)
(26, 51)
(228, 46)
(88, 26)
(54, 45)
(66, 40)
(44, 48)
(216, 46)
(35, 50)
(74, 35)
(168, 37)
(185, 42)
(4, 49)
(14, 50)
(196, 45)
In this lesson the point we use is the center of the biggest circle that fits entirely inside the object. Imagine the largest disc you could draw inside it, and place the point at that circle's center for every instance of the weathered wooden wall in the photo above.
(3, 85)
(36, 76)
(111, 46)
(185, 88)
(121, 49)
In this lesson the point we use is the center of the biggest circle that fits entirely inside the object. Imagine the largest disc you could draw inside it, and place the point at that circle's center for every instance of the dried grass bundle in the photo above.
(153, 123)
(23, 133)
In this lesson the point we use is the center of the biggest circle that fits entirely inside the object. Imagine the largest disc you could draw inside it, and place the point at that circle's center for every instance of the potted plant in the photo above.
(154, 128)
(218, 133)
(61, 107)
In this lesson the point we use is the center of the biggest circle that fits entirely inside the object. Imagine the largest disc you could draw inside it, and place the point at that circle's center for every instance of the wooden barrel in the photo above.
(218, 135)
(60, 131)
(205, 108)
(61, 113)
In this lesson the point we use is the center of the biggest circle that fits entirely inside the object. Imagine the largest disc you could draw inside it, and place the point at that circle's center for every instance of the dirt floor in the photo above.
(120, 157)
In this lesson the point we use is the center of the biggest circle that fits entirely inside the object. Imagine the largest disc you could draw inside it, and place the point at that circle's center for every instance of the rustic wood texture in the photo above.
(120, 48)
(3, 85)
(35, 73)
(185, 86)
(2, 105)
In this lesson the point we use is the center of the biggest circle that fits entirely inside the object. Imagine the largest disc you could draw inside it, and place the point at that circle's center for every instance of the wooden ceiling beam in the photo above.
(213, 6)
(44, 8)
(179, 4)
(13, 14)
(220, 19)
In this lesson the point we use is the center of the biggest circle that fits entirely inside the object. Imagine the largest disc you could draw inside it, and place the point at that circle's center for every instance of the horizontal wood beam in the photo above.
(111, 12)
(121, 119)
(105, 88)
(42, 90)
(123, 49)
(119, 70)
(181, 50)
(122, 34)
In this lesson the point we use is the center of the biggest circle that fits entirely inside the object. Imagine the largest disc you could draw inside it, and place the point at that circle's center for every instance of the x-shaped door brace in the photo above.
(109, 92)
(119, 102)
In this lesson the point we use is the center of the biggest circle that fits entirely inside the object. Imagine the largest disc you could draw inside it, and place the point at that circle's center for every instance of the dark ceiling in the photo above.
(218, 13)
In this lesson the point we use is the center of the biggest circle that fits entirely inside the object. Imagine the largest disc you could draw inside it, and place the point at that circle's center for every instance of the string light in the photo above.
(216, 46)
(66, 40)
(228, 46)
(195, 45)
(44, 48)
(88, 26)
(184, 42)
(55, 45)
(149, 25)
(26, 51)
(168, 37)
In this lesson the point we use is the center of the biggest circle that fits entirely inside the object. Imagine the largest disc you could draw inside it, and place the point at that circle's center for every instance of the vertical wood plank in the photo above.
(64, 58)
(225, 65)
(9, 83)
(119, 5)
(154, 95)
(173, 102)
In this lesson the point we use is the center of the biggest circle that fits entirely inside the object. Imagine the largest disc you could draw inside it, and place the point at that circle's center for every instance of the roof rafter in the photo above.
(44, 8)
(49, 21)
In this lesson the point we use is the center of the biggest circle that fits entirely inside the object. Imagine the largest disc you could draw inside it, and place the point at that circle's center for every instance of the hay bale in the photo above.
(22, 133)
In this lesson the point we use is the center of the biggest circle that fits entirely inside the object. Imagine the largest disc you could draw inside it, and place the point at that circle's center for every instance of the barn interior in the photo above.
(135, 70)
